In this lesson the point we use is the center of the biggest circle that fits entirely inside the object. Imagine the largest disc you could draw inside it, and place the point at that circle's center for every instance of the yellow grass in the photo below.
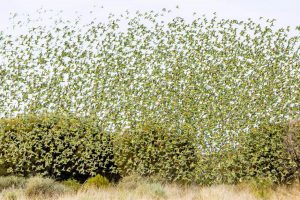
(175, 192)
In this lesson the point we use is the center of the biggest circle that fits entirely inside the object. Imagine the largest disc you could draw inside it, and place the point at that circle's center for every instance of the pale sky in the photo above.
(287, 12)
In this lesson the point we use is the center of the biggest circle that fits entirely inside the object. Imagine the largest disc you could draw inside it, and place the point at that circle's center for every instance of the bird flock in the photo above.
(220, 76)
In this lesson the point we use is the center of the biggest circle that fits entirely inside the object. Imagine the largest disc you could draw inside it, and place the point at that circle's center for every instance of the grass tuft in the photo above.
(44, 187)
(10, 194)
(11, 182)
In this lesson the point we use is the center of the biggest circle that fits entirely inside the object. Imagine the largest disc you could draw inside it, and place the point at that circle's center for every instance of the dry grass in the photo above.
(174, 192)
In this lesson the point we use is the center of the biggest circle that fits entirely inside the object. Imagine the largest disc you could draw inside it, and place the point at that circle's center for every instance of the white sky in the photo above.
(287, 12)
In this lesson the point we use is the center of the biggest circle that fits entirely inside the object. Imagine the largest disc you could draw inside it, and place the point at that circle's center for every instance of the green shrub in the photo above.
(292, 143)
(270, 151)
(216, 168)
(96, 182)
(64, 146)
(44, 187)
(72, 184)
(55, 145)
(11, 182)
(153, 150)
(265, 152)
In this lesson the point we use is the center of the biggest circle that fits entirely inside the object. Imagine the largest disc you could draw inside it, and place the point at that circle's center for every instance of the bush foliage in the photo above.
(67, 146)
(267, 153)
(58, 146)
(151, 149)
(64, 146)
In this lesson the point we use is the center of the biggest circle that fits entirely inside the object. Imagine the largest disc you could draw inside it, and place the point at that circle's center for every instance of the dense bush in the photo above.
(60, 146)
(154, 150)
(215, 168)
(292, 142)
(264, 153)
(64, 146)
(268, 152)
